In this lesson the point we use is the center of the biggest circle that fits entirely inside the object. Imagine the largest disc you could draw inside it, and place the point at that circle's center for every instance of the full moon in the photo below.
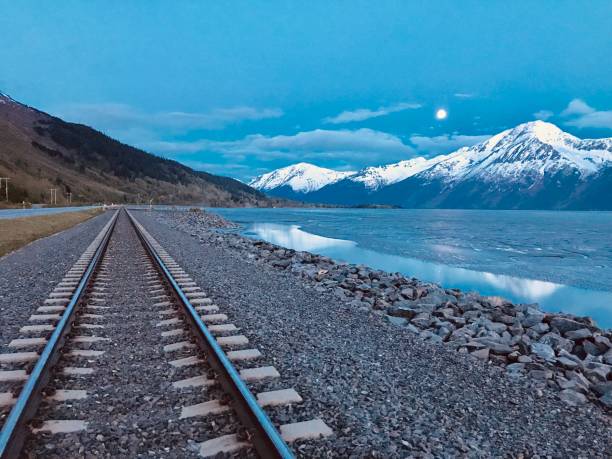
(441, 114)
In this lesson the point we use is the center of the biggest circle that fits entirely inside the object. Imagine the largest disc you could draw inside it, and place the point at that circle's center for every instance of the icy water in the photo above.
(561, 260)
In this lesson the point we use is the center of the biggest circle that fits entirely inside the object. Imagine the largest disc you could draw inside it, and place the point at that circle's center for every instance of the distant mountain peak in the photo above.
(375, 177)
(301, 177)
(530, 149)
(543, 131)
(533, 158)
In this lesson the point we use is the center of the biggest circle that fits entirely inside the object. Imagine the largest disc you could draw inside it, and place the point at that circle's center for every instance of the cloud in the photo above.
(443, 144)
(115, 117)
(362, 145)
(577, 107)
(584, 116)
(464, 95)
(362, 114)
(543, 115)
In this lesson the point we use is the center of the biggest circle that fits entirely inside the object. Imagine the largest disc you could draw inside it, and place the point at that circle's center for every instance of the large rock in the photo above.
(399, 321)
(482, 354)
(572, 384)
(597, 371)
(438, 297)
(603, 388)
(443, 332)
(606, 400)
(281, 263)
(567, 363)
(494, 326)
(541, 374)
(409, 293)
(515, 367)
(579, 378)
(578, 334)
(422, 320)
(429, 336)
(572, 397)
(532, 318)
(540, 328)
(557, 342)
(564, 325)
(516, 329)
(404, 309)
(495, 346)
(603, 342)
(544, 351)
(591, 348)
(462, 334)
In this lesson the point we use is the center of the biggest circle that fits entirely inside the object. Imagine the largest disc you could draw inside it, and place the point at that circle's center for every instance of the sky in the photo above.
(239, 88)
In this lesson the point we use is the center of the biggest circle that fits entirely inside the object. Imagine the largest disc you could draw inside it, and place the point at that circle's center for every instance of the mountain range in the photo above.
(535, 165)
(39, 152)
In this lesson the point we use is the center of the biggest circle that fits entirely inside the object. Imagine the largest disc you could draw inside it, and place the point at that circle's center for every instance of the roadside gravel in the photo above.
(29, 274)
(385, 392)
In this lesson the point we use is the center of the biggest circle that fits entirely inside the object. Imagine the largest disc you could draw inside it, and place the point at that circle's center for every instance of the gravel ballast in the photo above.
(30, 273)
(131, 408)
(385, 391)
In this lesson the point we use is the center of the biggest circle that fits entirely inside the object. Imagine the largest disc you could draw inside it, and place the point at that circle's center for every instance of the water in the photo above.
(561, 260)
(17, 213)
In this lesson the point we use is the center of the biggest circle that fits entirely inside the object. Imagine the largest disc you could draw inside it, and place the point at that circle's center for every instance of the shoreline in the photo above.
(568, 353)
(573, 268)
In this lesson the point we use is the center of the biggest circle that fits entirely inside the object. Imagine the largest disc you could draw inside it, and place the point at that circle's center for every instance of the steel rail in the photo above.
(265, 438)
(14, 430)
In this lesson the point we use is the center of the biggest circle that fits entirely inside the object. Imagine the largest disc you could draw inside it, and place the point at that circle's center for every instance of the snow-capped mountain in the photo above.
(300, 177)
(534, 165)
(376, 177)
(529, 150)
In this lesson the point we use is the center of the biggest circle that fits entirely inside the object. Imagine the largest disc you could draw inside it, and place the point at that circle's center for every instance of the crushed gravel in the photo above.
(385, 392)
(132, 409)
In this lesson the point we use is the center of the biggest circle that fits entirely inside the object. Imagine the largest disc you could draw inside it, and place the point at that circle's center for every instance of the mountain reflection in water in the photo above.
(551, 296)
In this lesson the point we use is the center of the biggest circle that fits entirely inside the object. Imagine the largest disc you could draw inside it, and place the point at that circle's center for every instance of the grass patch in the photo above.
(17, 232)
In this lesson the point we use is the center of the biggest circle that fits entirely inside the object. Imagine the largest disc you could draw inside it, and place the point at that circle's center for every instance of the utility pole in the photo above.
(6, 179)
(53, 195)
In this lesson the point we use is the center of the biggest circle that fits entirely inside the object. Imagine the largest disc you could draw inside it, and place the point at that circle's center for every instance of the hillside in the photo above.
(39, 152)
(532, 166)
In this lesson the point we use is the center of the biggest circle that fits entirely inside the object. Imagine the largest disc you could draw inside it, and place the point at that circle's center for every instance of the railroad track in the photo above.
(162, 372)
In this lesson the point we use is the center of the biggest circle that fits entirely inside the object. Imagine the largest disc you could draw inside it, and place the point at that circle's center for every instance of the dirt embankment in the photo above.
(17, 232)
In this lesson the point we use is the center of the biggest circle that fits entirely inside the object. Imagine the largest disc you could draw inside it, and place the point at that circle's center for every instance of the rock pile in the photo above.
(196, 217)
(563, 351)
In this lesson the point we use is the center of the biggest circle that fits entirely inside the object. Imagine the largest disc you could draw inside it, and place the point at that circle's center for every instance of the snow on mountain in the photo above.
(534, 157)
(529, 150)
(301, 177)
(377, 177)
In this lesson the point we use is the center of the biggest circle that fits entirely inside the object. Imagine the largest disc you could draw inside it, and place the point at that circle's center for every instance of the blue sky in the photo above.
(239, 88)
